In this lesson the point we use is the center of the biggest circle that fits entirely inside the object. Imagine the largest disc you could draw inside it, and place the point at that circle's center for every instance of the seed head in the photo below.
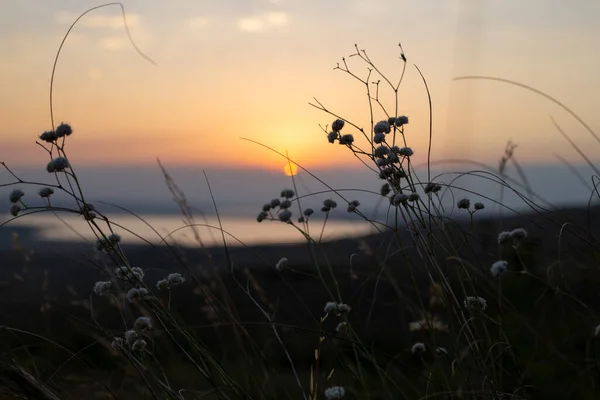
(432, 188)
(330, 307)
(382, 127)
(287, 193)
(175, 279)
(281, 264)
(413, 196)
(504, 237)
(285, 204)
(266, 207)
(463, 203)
(518, 234)
(142, 324)
(478, 206)
(419, 346)
(261, 216)
(15, 195)
(275, 203)
(379, 137)
(498, 268)
(130, 336)
(46, 192)
(332, 136)
(403, 120)
(102, 288)
(63, 130)
(285, 215)
(385, 189)
(14, 210)
(347, 139)
(59, 164)
(308, 212)
(138, 345)
(381, 151)
(342, 327)
(48, 136)
(398, 198)
(406, 151)
(334, 393)
(337, 125)
(136, 294)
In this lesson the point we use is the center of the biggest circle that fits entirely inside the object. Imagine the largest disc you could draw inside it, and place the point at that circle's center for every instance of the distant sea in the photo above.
(72, 228)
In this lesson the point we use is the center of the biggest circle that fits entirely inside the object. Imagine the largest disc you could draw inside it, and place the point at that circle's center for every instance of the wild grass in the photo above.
(441, 302)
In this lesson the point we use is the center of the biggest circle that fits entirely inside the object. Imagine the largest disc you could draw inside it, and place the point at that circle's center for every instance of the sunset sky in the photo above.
(247, 68)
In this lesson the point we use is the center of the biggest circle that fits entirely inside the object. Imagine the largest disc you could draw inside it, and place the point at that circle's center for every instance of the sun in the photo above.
(290, 169)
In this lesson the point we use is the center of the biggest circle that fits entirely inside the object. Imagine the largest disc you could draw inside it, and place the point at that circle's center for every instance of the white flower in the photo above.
(281, 264)
(175, 279)
(334, 392)
(162, 284)
(498, 268)
(136, 294)
(419, 346)
(330, 307)
(101, 288)
(504, 237)
(142, 324)
(15, 195)
(475, 302)
(127, 273)
(518, 234)
(58, 164)
(130, 336)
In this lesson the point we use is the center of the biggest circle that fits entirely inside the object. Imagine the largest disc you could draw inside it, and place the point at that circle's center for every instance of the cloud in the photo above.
(263, 21)
(98, 21)
(114, 43)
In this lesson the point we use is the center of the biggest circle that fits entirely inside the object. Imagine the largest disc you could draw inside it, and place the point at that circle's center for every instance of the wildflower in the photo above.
(432, 188)
(334, 392)
(341, 327)
(398, 199)
(285, 215)
(498, 268)
(142, 324)
(463, 203)
(343, 309)
(475, 302)
(332, 136)
(504, 237)
(347, 139)
(275, 203)
(102, 288)
(419, 346)
(518, 234)
(136, 294)
(63, 130)
(382, 162)
(261, 216)
(281, 264)
(403, 120)
(117, 343)
(175, 279)
(162, 284)
(138, 345)
(406, 151)
(382, 127)
(330, 307)
(337, 125)
(266, 207)
(46, 192)
(130, 336)
(301, 220)
(478, 206)
(308, 212)
(287, 193)
(385, 189)
(379, 138)
(14, 210)
(330, 203)
(352, 205)
(15, 195)
(285, 204)
(129, 273)
(413, 196)
(58, 164)
(49, 136)
(381, 151)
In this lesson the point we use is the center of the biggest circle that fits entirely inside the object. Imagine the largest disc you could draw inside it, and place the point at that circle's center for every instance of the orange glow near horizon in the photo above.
(290, 169)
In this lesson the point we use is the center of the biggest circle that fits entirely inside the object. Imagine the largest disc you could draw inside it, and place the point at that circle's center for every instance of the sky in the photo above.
(230, 69)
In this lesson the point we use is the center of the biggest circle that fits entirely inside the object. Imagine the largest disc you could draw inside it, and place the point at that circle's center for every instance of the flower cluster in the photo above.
(334, 393)
(498, 268)
(279, 207)
(172, 280)
(107, 244)
(516, 236)
(335, 134)
(338, 309)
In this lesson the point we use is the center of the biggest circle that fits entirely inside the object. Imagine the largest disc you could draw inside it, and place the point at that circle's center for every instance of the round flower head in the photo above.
(472, 302)
(162, 284)
(266, 207)
(281, 264)
(382, 127)
(504, 237)
(464, 203)
(381, 151)
(334, 393)
(49, 136)
(63, 130)
(478, 206)
(59, 164)
(413, 196)
(287, 193)
(403, 120)
(130, 336)
(301, 220)
(142, 324)
(261, 216)
(175, 279)
(330, 203)
(14, 210)
(102, 288)
(398, 198)
(308, 212)
(136, 294)
(337, 125)
(347, 139)
(518, 234)
(343, 309)
(330, 307)
(341, 327)
(46, 192)
(352, 205)
(138, 345)
(379, 137)
(275, 202)
(382, 162)
(15, 195)
(385, 189)
(406, 151)
(285, 204)
(332, 136)
(285, 215)
(419, 346)
(131, 274)
(498, 268)
(432, 188)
